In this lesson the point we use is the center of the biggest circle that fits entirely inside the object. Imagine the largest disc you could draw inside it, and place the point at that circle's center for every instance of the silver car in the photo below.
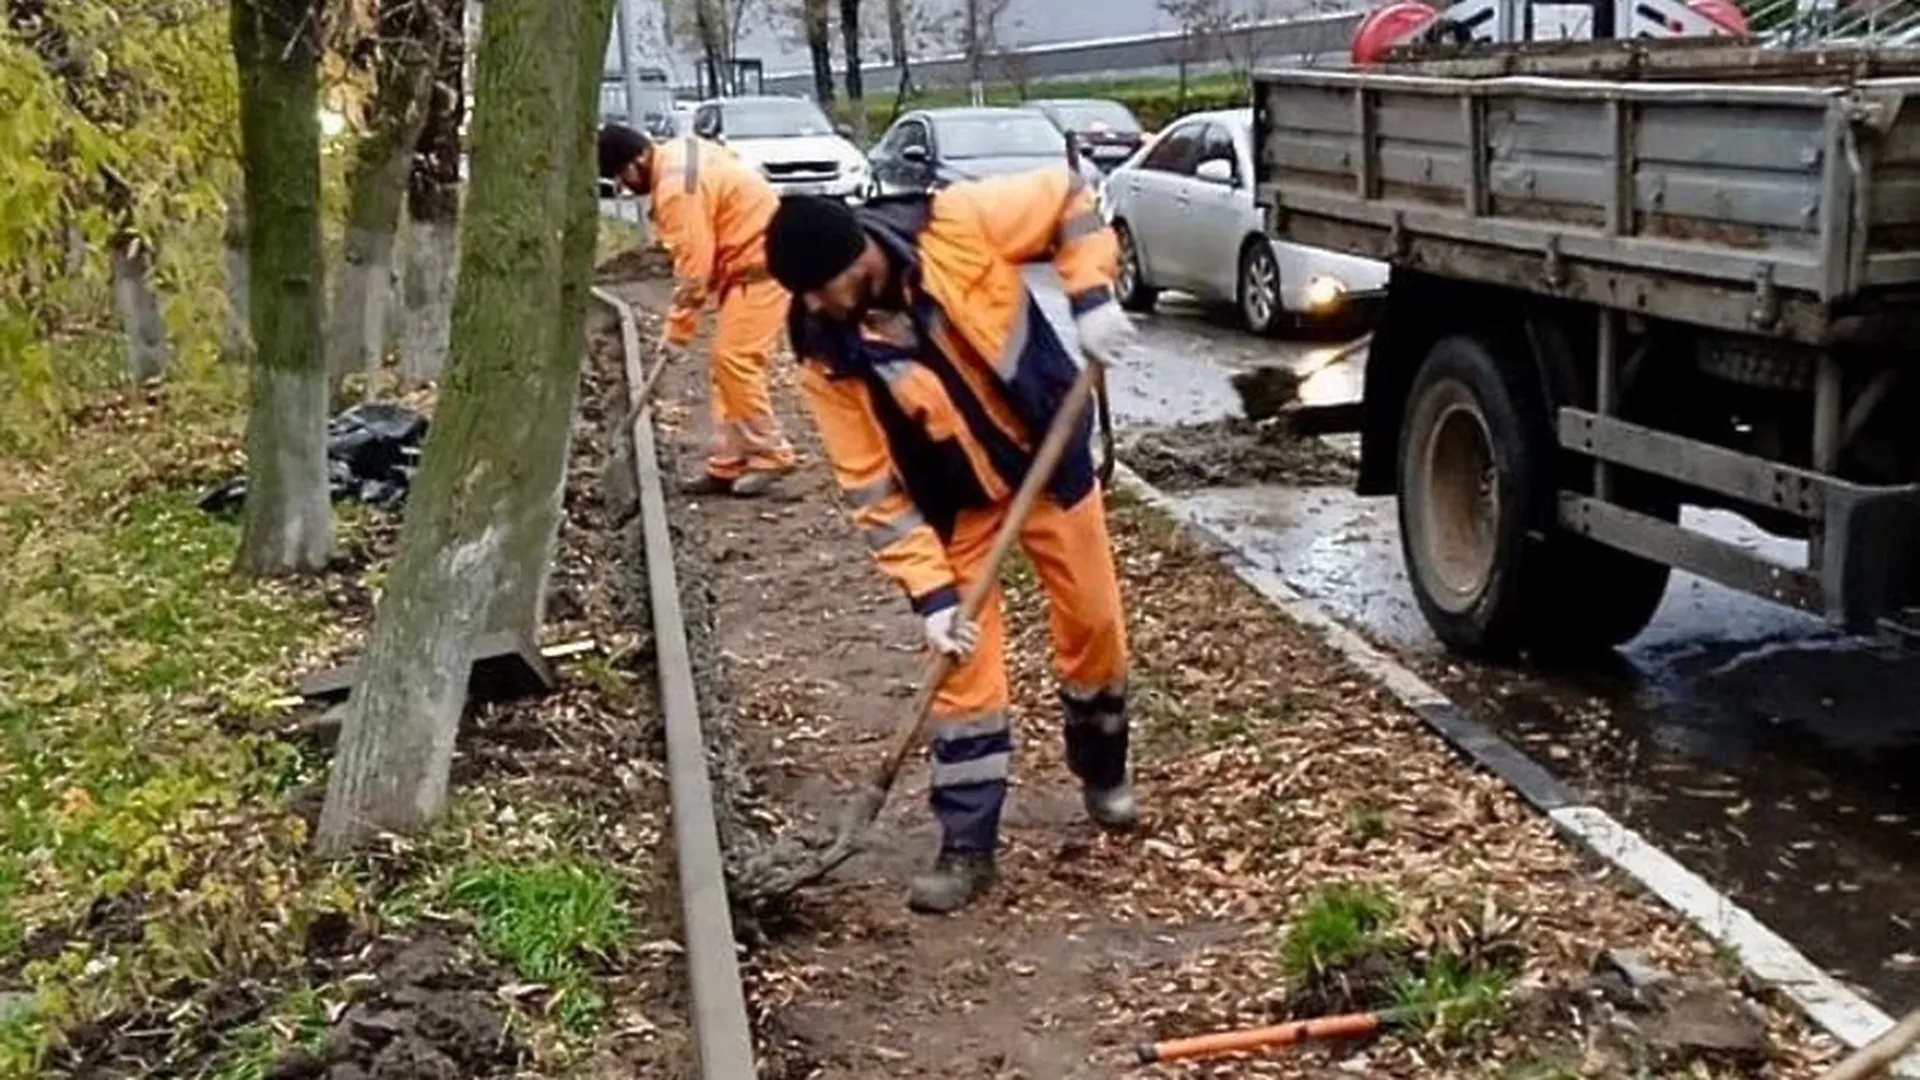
(1184, 212)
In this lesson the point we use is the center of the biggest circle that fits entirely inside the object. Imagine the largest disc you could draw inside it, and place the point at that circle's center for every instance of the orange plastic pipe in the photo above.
(1348, 1026)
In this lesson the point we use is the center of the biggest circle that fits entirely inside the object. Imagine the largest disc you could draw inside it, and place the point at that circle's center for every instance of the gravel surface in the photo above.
(1273, 777)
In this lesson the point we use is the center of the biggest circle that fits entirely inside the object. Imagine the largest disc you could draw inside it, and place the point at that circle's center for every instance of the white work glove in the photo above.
(1105, 332)
(948, 633)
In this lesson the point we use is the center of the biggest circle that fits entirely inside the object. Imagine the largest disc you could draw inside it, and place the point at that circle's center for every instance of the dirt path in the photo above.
(1283, 792)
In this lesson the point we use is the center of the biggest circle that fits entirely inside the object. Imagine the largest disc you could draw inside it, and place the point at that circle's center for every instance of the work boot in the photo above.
(1097, 738)
(708, 484)
(758, 482)
(956, 880)
(1112, 808)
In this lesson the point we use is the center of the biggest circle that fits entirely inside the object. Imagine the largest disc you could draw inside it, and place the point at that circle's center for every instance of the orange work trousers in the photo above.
(746, 433)
(972, 737)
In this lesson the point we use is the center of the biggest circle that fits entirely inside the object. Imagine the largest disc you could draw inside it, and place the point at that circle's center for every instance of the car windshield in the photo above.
(1012, 135)
(774, 119)
(1087, 115)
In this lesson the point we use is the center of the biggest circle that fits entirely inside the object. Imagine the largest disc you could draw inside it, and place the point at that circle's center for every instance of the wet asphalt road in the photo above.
(1774, 757)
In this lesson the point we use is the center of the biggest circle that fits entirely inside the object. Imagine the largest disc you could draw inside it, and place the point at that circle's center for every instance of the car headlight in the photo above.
(1324, 291)
(856, 166)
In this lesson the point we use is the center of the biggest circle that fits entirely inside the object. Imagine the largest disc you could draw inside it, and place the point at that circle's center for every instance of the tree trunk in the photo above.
(520, 600)
(409, 48)
(395, 750)
(131, 257)
(976, 56)
(897, 44)
(711, 25)
(237, 347)
(820, 48)
(850, 45)
(148, 350)
(288, 524)
(433, 213)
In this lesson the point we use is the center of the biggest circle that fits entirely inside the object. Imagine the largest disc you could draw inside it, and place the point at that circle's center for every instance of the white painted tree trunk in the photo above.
(362, 294)
(433, 261)
(395, 752)
(485, 461)
(287, 524)
(237, 347)
(148, 350)
(289, 510)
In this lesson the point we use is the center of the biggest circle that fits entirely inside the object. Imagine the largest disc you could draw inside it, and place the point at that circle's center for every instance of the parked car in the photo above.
(1105, 132)
(1184, 212)
(790, 140)
(930, 148)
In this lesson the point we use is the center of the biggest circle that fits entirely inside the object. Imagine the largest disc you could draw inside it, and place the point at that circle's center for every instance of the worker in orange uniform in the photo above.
(711, 212)
(932, 375)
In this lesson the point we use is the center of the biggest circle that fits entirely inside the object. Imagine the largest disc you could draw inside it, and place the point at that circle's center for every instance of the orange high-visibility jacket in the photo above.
(711, 211)
(942, 412)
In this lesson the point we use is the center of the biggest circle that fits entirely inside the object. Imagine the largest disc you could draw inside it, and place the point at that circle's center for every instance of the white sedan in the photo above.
(1184, 212)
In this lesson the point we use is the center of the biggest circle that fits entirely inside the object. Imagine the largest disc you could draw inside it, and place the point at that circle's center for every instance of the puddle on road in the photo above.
(1772, 755)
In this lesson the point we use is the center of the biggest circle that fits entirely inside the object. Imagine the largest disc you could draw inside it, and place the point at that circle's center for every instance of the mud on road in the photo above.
(1288, 801)
(1231, 453)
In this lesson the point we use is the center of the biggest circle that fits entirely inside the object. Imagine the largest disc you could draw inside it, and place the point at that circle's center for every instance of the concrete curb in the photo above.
(1839, 1011)
(723, 1038)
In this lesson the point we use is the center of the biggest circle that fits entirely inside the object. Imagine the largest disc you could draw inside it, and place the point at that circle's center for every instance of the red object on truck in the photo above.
(1388, 26)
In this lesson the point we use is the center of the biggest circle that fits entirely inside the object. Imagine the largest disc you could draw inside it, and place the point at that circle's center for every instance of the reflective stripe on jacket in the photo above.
(941, 411)
(711, 211)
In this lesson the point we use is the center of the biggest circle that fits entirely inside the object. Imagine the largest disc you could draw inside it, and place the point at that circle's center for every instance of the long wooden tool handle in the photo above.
(1052, 448)
(1104, 407)
(1873, 1058)
(1250, 1040)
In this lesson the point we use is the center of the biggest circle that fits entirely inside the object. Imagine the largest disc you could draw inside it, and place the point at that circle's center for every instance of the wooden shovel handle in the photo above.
(1045, 460)
(1874, 1058)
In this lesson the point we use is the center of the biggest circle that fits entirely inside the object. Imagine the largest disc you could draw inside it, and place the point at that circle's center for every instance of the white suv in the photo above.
(790, 140)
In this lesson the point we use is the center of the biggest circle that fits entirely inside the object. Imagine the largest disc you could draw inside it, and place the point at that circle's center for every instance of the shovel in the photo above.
(810, 867)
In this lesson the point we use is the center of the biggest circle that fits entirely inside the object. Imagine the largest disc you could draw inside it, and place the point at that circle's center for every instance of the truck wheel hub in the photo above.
(1462, 509)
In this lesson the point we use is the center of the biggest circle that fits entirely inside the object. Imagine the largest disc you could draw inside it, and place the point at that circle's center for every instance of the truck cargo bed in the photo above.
(1656, 180)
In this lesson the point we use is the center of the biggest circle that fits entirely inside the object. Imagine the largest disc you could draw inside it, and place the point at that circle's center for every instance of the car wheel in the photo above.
(1260, 307)
(1131, 286)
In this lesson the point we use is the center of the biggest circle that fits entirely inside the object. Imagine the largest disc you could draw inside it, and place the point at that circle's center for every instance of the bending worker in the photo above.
(711, 212)
(932, 376)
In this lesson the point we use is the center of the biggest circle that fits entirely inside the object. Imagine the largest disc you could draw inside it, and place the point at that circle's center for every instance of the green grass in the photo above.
(1339, 925)
(551, 921)
(135, 662)
(1450, 1002)
(1367, 822)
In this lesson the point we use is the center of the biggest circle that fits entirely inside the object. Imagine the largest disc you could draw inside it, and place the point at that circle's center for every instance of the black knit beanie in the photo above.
(812, 240)
(619, 145)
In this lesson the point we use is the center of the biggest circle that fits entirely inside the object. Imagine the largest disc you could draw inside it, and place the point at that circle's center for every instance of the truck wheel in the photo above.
(1475, 475)
(1615, 594)
(1132, 289)
(1490, 569)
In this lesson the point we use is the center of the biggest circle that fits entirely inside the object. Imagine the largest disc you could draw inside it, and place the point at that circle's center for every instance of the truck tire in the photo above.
(1475, 474)
(1490, 569)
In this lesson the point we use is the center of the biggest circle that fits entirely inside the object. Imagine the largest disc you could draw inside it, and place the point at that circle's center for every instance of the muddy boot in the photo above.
(1096, 736)
(707, 484)
(956, 880)
(758, 482)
